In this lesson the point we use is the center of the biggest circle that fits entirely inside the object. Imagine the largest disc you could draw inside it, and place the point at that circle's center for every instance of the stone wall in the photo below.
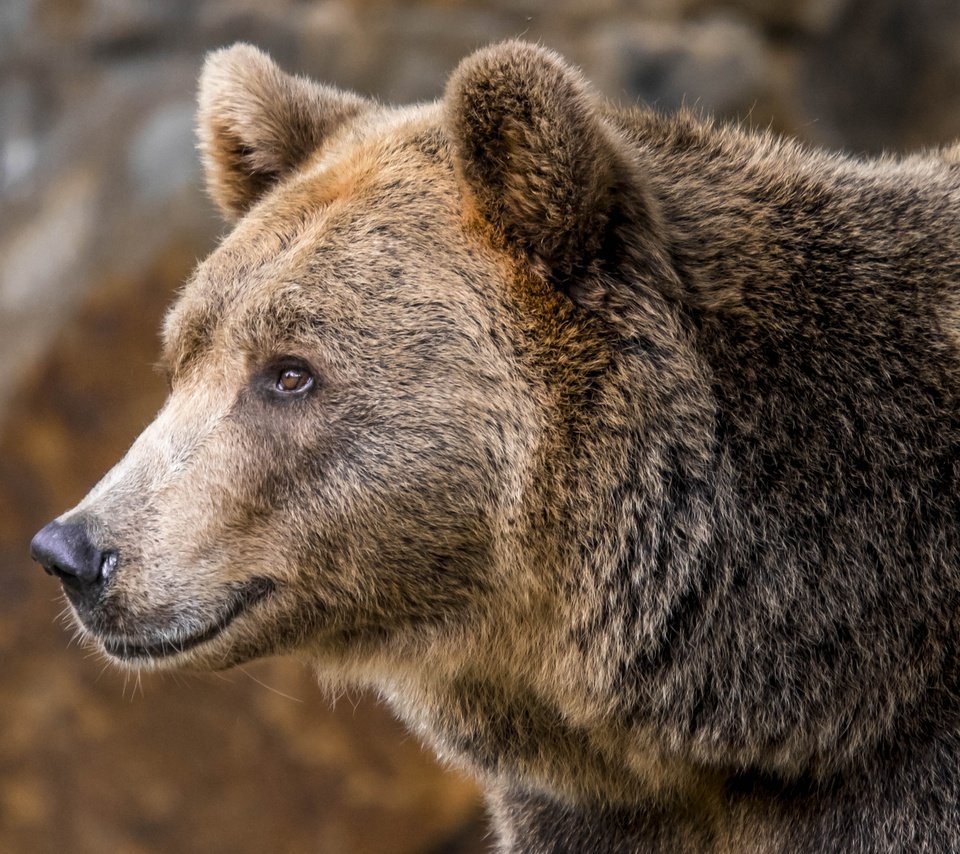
(101, 217)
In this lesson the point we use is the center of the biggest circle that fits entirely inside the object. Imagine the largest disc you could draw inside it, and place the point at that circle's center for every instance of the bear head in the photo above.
(370, 378)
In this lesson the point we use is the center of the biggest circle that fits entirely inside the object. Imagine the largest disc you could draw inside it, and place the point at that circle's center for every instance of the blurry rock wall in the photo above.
(102, 217)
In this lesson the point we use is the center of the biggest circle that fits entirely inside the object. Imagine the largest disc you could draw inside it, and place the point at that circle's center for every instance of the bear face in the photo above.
(396, 446)
(383, 498)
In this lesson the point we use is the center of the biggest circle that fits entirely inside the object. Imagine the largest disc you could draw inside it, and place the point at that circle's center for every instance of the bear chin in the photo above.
(183, 642)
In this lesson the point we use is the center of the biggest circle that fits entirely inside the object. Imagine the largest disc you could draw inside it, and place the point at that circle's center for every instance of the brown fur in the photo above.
(630, 474)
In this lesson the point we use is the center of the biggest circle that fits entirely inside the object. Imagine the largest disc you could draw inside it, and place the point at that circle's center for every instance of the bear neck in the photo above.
(705, 621)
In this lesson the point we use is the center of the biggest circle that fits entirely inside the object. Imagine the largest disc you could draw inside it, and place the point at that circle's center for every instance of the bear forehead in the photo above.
(369, 209)
(377, 177)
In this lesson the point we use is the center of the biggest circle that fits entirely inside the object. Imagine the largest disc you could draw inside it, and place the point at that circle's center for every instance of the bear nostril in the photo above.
(67, 552)
(108, 564)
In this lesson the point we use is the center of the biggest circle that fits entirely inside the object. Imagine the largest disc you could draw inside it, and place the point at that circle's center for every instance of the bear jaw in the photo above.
(178, 640)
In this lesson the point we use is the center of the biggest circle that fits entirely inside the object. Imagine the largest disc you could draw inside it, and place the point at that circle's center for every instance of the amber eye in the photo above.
(294, 379)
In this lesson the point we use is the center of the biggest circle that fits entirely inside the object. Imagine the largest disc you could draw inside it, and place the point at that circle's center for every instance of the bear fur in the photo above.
(623, 458)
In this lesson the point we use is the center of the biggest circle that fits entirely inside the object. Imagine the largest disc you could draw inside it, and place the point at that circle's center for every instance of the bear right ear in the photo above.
(256, 124)
(538, 161)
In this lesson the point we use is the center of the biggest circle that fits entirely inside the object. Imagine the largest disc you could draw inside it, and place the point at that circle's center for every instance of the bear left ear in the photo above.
(257, 124)
(542, 165)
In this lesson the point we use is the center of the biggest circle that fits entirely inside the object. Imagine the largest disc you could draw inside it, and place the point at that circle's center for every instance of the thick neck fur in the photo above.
(753, 548)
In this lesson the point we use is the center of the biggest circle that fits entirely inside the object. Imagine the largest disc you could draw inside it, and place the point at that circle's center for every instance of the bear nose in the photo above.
(66, 551)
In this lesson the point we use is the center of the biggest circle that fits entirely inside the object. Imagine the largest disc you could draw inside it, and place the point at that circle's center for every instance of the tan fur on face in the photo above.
(952, 154)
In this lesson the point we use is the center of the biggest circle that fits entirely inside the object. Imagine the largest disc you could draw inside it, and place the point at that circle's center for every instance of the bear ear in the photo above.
(540, 163)
(256, 123)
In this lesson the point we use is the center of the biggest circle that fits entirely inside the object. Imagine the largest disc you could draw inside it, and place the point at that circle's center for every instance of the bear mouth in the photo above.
(171, 644)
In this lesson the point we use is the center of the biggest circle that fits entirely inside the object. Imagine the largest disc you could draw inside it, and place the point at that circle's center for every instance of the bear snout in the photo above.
(66, 551)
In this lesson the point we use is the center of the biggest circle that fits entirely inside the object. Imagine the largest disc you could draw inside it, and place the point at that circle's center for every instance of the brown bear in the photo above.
(620, 452)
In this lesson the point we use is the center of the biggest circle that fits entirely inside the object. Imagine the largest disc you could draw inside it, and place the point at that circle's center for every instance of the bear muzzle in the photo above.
(124, 628)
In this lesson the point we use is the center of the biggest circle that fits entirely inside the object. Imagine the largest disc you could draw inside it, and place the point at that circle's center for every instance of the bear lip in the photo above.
(245, 598)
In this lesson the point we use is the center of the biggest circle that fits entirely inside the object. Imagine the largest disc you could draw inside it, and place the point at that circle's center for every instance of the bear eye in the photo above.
(293, 379)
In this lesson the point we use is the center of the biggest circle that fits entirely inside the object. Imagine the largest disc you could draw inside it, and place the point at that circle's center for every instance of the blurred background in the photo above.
(102, 217)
